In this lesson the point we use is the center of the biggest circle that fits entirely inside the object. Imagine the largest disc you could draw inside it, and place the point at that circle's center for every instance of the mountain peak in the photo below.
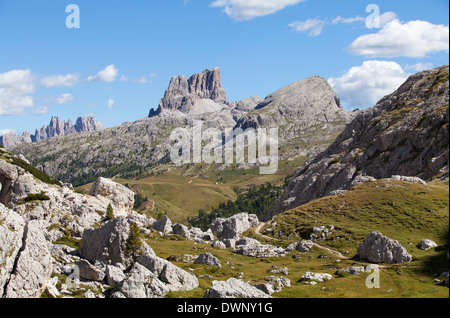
(200, 93)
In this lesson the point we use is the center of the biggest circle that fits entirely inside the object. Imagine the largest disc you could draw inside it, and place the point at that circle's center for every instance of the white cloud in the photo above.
(108, 75)
(60, 80)
(60, 99)
(419, 66)
(145, 79)
(15, 89)
(412, 39)
(340, 19)
(313, 27)
(110, 103)
(363, 86)
(242, 10)
(41, 110)
(387, 17)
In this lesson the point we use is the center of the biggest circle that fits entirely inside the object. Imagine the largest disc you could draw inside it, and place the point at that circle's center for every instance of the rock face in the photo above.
(381, 249)
(405, 134)
(121, 198)
(57, 127)
(201, 93)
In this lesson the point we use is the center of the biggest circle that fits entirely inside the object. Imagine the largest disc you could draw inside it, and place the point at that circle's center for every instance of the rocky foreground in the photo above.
(39, 222)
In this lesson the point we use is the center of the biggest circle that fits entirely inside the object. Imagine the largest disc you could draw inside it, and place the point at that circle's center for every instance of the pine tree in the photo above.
(109, 213)
(133, 245)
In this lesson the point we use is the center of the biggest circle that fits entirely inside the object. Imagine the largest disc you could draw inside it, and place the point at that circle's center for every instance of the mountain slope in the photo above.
(406, 134)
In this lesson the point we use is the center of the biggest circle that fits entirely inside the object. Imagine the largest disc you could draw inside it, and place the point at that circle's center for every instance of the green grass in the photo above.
(180, 192)
(418, 212)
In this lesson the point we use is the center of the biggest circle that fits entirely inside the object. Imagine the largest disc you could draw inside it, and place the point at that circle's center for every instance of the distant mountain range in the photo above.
(57, 127)
(307, 113)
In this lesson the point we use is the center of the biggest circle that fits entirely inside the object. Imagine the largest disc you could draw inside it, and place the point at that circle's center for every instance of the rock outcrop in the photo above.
(201, 93)
(405, 134)
(57, 127)
(378, 248)
(120, 197)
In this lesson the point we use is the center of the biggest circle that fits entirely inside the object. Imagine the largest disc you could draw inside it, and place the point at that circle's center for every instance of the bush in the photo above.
(37, 197)
(35, 172)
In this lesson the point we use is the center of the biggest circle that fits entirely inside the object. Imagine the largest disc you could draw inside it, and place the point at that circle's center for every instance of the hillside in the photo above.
(405, 134)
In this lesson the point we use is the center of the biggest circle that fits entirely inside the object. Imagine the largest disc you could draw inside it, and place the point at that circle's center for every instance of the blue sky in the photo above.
(118, 64)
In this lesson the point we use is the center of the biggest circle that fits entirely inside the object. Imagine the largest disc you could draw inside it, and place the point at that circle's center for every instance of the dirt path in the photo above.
(329, 250)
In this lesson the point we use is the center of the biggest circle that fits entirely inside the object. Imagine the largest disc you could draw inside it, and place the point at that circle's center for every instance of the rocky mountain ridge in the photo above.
(56, 127)
(405, 134)
(308, 121)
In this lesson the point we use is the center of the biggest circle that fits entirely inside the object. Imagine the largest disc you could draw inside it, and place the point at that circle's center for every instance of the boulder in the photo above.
(90, 272)
(107, 243)
(426, 244)
(207, 259)
(275, 285)
(378, 248)
(355, 270)
(142, 283)
(251, 247)
(302, 246)
(163, 225)
(316, 277)
(174, 277)
(181, 230)
(233, 227)
(114, 275)
(233, 288)
(120, 197)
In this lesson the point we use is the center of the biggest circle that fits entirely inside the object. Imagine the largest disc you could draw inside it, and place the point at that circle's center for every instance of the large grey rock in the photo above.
(275, 284)
(251, 247)
(90, 272)
(207, 259)
(142, 283)
(163, 225)
(121, 198)
(233, 227)
(32, 267)
(107, 244)
(173, 276)
(234, 288)
(378, 248)
(114, 275)
(12, 227)
(182, 230)
(302, 246)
